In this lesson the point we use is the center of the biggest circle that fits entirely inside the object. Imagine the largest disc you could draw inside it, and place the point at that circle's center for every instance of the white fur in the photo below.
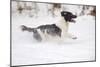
(63, 25)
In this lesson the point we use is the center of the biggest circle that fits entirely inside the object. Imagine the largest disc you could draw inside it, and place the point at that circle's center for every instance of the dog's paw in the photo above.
(74, 38)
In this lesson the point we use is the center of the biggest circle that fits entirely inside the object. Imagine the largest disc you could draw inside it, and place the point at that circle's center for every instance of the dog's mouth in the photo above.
(73, 20)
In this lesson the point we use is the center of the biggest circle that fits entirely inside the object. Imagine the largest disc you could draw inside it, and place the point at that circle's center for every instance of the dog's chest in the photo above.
(63, 25)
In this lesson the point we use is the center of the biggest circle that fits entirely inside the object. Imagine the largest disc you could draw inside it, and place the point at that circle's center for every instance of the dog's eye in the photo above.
(65, 13)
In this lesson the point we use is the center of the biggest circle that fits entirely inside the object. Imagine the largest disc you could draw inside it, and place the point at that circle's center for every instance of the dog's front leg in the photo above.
(71, 36)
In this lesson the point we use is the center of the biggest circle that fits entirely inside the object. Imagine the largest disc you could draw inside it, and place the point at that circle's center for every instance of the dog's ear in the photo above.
(62, 13)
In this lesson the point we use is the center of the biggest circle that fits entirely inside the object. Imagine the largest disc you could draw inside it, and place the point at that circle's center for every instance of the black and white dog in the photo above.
(55, 30)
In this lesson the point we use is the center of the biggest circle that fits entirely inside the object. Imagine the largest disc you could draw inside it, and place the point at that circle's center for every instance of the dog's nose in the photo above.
(74, 16)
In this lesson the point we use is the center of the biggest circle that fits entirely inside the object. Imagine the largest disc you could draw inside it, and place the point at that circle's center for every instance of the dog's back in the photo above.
(52, 30)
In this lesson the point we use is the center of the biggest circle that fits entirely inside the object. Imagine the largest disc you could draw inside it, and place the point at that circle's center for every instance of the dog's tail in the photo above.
(25, 28)
(36, 35)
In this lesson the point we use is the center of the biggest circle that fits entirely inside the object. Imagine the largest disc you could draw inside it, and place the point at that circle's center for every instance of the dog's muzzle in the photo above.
(73, 19)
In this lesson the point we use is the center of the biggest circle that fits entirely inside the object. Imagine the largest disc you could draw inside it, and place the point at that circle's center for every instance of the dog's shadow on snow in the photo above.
(64, 42)
(74, 42)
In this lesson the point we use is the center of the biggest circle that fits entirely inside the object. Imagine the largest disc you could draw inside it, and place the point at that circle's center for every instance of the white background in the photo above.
(5, 33)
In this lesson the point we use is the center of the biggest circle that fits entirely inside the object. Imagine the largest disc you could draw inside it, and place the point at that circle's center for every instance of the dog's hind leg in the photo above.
(36, 35)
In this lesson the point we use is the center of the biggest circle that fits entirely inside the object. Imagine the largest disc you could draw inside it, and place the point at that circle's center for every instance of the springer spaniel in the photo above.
(60, 29)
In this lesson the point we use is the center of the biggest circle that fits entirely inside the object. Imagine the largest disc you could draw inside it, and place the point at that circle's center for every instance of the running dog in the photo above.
(60, 29)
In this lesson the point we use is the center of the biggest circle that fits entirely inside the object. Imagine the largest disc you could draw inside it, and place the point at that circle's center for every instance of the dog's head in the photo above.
(68, 16)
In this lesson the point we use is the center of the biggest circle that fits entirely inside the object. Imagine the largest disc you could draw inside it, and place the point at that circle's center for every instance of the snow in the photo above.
(25, 50)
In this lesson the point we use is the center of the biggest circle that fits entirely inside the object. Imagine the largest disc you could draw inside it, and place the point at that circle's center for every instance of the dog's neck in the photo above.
(63, 24)
(63, 20)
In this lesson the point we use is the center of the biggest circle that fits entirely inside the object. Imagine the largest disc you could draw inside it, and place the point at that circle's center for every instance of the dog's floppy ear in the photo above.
(63, 13)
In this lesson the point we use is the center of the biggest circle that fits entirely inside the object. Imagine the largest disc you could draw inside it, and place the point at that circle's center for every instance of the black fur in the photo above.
(50, 29)
(68, 16)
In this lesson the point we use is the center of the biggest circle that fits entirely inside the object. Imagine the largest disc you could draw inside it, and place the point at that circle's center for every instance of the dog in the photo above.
(59, 30)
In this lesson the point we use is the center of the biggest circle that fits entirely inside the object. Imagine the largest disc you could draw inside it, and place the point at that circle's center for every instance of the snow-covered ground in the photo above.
(25, 50)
